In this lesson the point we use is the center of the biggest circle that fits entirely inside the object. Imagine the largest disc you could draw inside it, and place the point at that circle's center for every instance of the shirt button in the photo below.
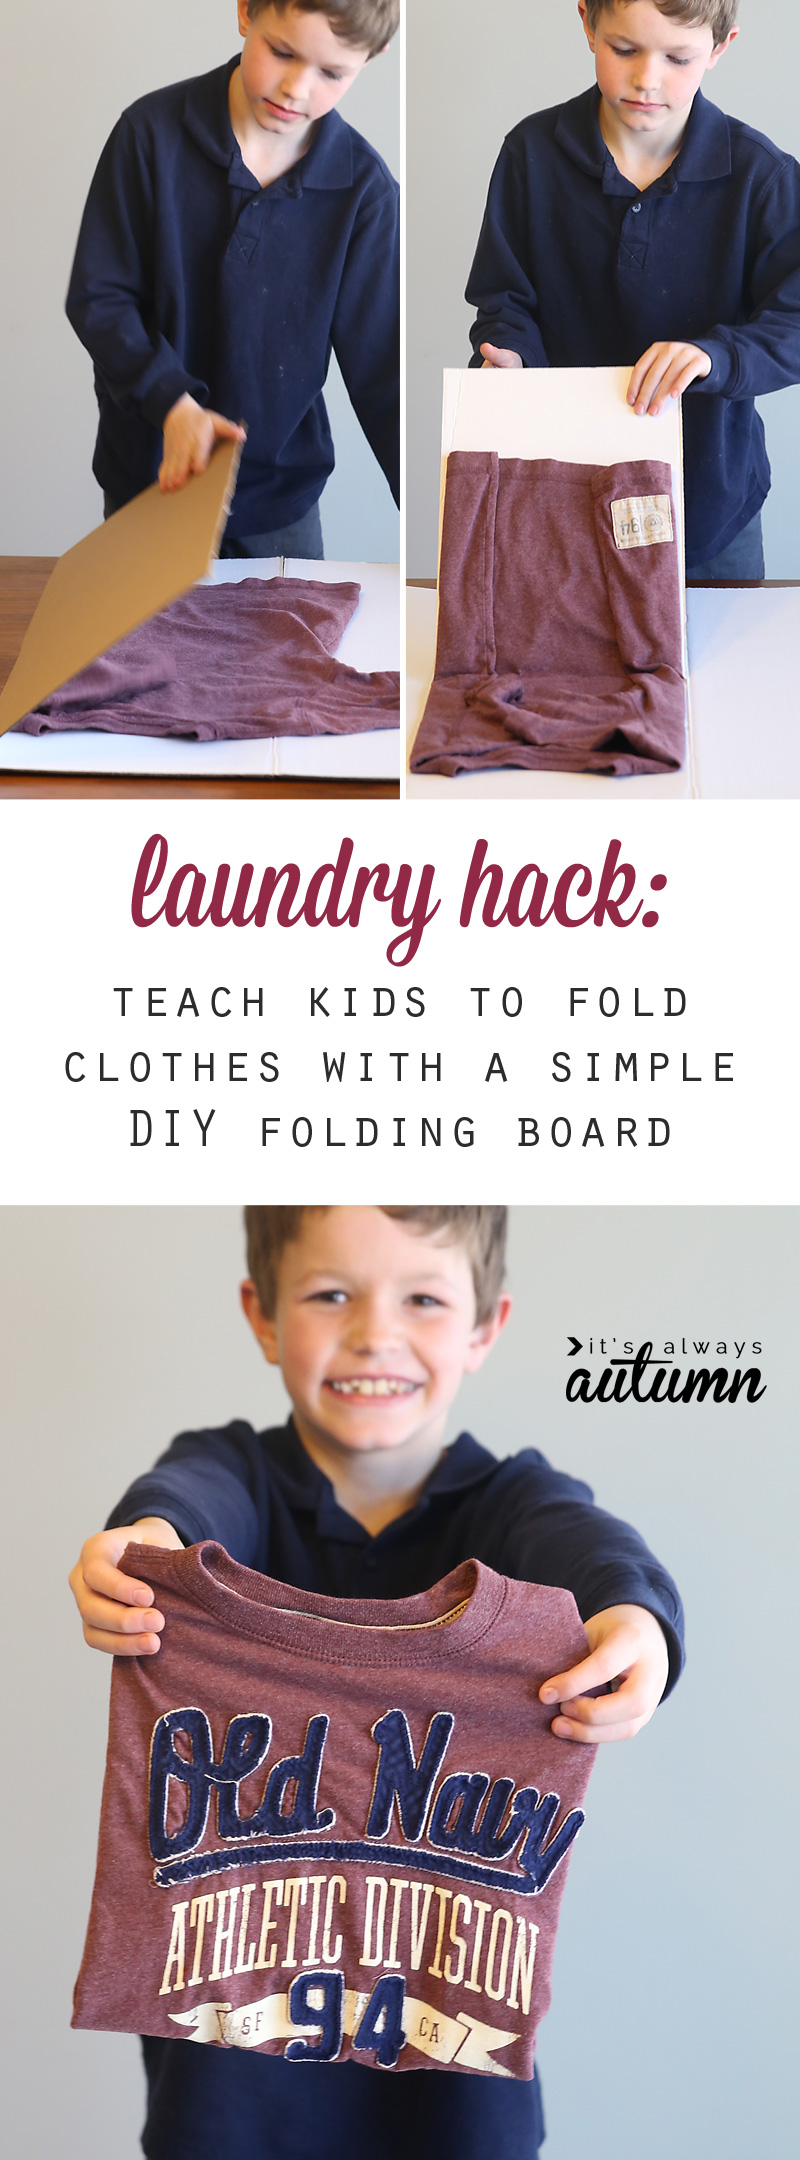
(636, 208)
(370, 1561)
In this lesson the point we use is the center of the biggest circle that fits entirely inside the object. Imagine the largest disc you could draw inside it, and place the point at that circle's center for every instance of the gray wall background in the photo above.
(68, 70)
(672, 2021)
(472, 74)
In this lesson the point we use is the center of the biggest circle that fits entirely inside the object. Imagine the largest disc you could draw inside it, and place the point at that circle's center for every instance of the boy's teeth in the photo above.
(371, 1387)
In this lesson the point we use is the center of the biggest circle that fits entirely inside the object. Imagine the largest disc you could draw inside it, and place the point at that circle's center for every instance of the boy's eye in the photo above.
(328, 1297)
(280, 53)
(626, 52)
(425, 1299)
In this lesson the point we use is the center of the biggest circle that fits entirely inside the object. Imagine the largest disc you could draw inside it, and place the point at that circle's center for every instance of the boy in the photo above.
(373, 1315)
(639, 219)
(236, 230)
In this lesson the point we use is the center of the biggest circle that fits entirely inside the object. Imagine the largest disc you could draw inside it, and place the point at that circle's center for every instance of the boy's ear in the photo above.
(720, 49)
(589, 32)
(486, 1332)
(263, 1328)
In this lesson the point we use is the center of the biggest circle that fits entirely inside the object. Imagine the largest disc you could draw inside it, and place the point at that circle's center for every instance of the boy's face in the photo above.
(293, 68)
(373, 1328)
(649, 65)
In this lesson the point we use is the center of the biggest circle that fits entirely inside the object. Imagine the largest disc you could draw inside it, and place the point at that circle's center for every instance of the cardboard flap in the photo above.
(127, 570)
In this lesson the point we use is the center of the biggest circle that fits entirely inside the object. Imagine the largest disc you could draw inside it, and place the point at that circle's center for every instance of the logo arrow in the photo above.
(576, 1346)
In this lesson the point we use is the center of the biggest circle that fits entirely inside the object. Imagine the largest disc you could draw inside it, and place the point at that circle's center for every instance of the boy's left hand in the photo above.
(190, 434)
(663, 372)
(628, 1648)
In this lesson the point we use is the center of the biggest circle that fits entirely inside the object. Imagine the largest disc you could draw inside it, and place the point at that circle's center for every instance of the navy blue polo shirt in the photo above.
(189, 276)
(263, 1498)
(576, 267)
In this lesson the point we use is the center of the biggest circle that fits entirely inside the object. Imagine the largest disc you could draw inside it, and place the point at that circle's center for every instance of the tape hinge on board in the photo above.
(642, 521)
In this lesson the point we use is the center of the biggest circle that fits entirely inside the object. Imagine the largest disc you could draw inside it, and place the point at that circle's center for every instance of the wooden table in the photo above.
(22, 582)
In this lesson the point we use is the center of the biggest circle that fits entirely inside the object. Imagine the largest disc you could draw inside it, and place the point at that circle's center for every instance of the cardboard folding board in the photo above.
(371, 640)
(120, 575)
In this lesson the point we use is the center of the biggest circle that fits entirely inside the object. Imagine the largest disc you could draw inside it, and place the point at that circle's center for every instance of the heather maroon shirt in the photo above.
(333, 1826)
(559, 642)
(230, 662)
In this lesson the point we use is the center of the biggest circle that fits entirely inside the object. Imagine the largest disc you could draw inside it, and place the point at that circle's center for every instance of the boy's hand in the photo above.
(496, 356)
(190, 433)
(118, 1612)
(628, 1648)
(665, 371)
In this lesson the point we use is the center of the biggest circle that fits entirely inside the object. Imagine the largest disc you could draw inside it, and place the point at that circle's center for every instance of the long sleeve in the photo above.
(763, 353)
(365, 332)
(499, 284)
(111, 286)
(207, 1485)
(552, 1532)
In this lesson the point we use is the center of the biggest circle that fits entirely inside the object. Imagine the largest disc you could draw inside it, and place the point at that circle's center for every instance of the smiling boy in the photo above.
(236, 231)
(639, 219)
(374, 1315)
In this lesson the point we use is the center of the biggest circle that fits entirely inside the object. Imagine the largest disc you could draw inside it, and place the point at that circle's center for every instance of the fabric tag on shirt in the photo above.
(642, 520)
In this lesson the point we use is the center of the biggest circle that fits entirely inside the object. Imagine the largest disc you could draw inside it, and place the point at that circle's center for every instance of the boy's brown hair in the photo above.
(719, 14)
(481, 1230)
(369, 23)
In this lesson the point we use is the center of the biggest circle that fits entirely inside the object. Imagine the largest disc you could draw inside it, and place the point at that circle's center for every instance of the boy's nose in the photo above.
(647, 73)
(369, 1329)
(296, 81)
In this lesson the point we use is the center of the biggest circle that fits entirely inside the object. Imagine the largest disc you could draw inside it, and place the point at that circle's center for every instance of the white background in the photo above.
(724, 919)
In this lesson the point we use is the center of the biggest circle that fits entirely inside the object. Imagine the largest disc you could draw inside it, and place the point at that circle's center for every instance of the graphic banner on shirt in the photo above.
(462, 2042)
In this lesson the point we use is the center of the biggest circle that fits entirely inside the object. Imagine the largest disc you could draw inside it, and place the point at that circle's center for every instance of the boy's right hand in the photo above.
(496, 356)
(117, 1611)
(190, 433)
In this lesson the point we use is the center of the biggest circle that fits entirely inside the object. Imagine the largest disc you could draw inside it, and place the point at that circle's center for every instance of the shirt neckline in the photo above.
(465, 1463)
(704, 154)
(353, 1631)
(327, 163)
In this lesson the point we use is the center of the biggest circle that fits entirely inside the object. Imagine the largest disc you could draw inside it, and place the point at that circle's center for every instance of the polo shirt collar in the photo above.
(206, 117)
(465, 1463)
(308, 1491)
(705, 153)
(577, 131)
(329, 162)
